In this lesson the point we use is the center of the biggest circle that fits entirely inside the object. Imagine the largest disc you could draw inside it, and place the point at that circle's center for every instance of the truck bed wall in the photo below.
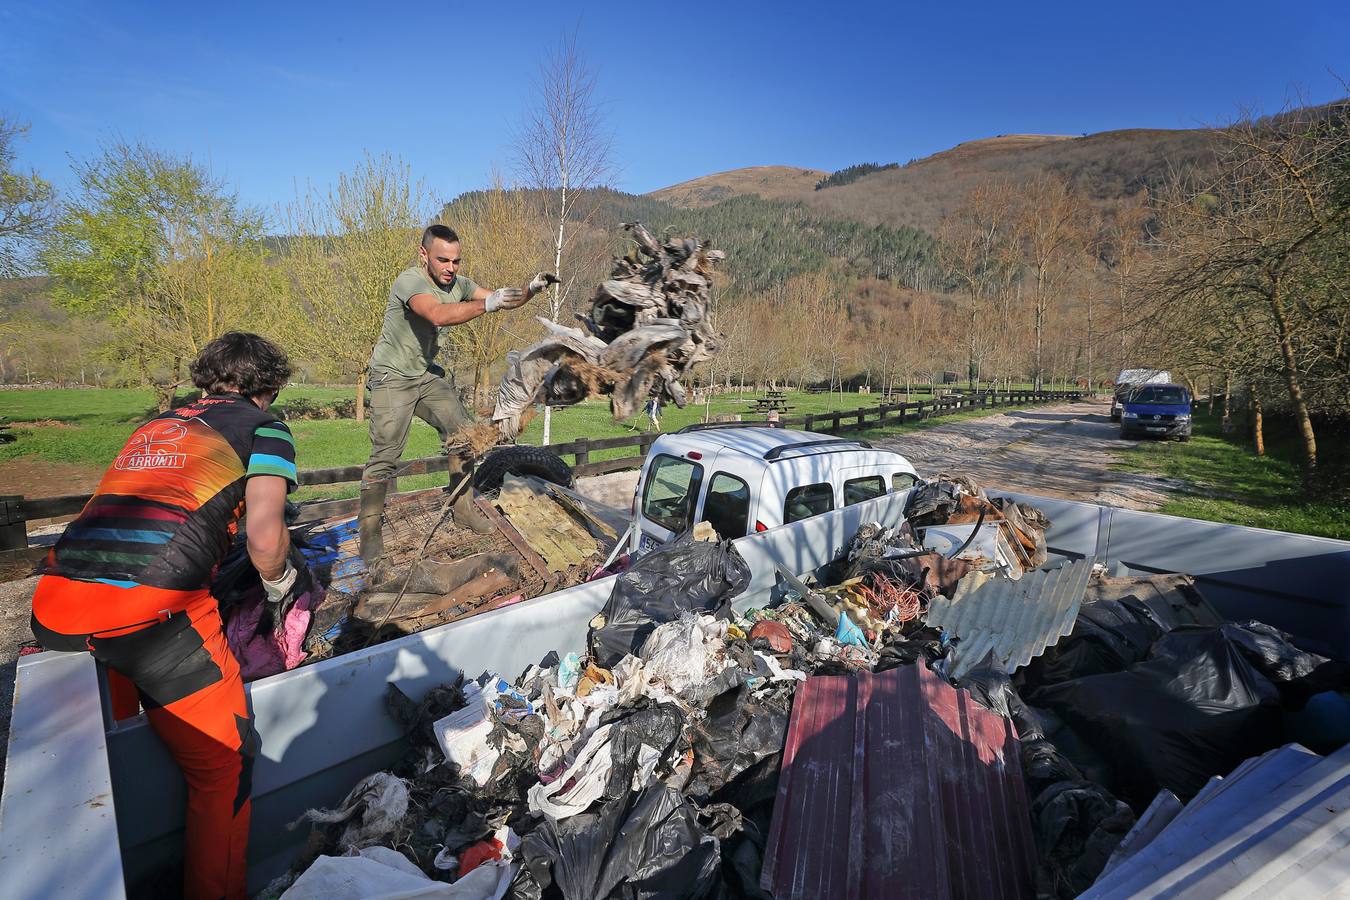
(323, 726)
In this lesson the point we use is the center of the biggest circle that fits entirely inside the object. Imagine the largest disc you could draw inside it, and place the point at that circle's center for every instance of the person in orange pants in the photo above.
(128, 582)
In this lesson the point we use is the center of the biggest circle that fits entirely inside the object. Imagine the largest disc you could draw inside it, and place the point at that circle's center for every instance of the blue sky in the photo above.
(271, 94)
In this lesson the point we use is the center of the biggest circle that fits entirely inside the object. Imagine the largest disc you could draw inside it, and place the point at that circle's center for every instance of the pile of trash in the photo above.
(649, 763)
(648, 325)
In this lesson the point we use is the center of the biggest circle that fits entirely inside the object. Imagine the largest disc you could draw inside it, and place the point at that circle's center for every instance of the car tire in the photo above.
(540, 462)
(1115, 417)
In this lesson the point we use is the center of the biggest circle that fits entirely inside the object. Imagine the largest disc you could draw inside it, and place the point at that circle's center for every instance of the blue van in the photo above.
(1157, 410)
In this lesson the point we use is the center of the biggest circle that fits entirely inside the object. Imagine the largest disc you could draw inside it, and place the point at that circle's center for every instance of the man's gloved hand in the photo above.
(504, 298)
(541, 282)
(283, 584)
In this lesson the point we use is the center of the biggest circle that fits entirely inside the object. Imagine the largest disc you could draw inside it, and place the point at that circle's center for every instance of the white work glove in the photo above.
(540, 282)
(504, 298)
(278, 589)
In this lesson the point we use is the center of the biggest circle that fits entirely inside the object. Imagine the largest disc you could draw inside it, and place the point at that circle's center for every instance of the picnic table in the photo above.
(767, 404)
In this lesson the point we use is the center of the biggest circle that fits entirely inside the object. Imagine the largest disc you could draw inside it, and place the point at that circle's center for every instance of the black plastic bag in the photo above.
(1298, 674)
(1108, 636)
(642, 846)
(1078, 826)
(736, 732)
(658, 726)
(687, 576)
(1195, 708)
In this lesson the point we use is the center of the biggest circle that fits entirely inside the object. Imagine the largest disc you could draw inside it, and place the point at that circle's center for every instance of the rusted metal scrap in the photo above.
(647, 326)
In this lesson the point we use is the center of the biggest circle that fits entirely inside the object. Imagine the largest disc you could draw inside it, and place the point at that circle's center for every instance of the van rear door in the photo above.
(667, 499)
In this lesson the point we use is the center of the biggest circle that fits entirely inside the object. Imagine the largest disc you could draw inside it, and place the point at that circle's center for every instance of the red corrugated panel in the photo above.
(894, 786)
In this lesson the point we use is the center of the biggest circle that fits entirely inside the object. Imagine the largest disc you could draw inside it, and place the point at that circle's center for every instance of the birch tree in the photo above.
(563, 148)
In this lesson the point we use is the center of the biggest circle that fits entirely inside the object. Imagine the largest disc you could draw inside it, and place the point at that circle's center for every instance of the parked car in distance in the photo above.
(1157, 410)
(744, 478)
(1128, 380)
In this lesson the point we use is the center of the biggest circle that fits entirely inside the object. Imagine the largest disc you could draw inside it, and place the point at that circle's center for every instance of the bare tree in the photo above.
(972, 244)
(1253, 244)
(349, 242)
(27, 209)
(1050, 228)
(563, 148)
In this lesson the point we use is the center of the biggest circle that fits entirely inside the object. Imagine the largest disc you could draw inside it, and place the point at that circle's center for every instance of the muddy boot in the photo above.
(464, 512)
(371, 521)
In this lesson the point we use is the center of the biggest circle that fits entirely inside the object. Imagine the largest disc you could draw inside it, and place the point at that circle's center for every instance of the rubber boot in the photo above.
(464, 512)
(371, 521)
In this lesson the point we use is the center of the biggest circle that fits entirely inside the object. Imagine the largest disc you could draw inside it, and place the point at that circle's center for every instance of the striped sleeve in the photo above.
(273, 453)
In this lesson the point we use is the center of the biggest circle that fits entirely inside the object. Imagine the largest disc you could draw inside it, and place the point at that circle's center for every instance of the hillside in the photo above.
(1106, 166)
(769, 182)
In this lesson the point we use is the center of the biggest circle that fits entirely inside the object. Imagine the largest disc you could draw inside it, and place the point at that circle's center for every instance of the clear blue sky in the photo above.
(268, 94)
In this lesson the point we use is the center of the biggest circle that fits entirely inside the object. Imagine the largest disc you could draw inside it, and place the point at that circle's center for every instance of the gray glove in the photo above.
(541, 282)
(504, 298)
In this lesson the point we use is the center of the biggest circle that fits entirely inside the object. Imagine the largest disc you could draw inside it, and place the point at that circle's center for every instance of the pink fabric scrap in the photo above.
(277, 650)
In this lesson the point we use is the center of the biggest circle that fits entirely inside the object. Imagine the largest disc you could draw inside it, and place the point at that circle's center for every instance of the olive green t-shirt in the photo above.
(408, 343)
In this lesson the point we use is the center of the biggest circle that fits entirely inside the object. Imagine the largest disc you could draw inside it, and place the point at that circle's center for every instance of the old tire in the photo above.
(540, 462)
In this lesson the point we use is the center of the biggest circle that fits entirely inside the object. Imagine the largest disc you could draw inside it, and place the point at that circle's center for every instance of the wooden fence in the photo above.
(15, 512)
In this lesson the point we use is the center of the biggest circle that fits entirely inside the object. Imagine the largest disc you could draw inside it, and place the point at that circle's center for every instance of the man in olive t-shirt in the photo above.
(405, 381)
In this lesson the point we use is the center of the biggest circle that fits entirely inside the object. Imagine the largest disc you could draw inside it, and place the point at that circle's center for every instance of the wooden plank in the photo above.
(51, 507)
(604, 467)
(510, 533)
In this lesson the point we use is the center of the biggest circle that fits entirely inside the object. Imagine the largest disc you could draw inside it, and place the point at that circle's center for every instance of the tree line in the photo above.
(1232, 275)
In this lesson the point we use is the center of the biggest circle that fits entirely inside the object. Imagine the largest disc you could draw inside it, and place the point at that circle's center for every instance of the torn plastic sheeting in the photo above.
(897, 785)
(645, 845)
(686, 576)
(373, 810)
(686, 652)
(379, 873)
(1013, 620)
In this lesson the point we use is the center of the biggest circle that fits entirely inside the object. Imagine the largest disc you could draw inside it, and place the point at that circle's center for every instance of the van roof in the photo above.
(758, 440)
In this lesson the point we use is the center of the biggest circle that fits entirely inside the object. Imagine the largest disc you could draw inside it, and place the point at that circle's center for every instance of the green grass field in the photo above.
(1228, 483)
(88, 427)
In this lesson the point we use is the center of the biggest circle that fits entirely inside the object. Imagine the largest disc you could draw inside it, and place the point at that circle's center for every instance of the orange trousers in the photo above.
(171, 645)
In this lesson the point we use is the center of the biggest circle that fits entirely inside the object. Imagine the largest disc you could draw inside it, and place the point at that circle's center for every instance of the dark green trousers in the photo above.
(394, 400)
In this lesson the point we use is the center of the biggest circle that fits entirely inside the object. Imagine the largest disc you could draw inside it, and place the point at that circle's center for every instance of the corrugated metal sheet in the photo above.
(897, 785)
(1279, 826)
(1016, 620)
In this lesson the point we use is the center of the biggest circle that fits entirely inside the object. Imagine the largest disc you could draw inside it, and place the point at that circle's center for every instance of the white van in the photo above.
(747, 478)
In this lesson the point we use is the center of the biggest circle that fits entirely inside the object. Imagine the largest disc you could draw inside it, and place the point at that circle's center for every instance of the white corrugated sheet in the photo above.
(1278, 826)
(1015, 620)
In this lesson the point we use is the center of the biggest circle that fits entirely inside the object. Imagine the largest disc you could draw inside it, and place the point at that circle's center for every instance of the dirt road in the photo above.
(1061, 451)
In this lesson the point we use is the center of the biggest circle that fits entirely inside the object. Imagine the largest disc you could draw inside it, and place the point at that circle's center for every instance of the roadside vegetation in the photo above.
(88, 427)
(1226, 482)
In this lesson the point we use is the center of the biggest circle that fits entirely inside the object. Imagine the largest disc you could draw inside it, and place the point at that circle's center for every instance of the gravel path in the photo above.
(1060, 451)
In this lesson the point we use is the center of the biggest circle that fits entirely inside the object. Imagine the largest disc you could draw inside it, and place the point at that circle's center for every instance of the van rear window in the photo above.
(807, 501)
(727, 506)
(672, 488)
(856, 490)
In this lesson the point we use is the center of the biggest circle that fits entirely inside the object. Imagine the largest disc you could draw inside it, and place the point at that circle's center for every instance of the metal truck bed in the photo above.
(87, 810)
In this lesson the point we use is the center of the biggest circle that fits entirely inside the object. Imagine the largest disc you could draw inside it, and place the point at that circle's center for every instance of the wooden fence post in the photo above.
(13, 524)
(583, 451)
(834, 422)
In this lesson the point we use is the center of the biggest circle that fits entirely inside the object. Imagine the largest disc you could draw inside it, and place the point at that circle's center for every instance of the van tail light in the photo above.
(760, 526)
(694, 454)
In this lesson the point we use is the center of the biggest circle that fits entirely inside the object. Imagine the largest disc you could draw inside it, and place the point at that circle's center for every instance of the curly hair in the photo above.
(238, 361)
